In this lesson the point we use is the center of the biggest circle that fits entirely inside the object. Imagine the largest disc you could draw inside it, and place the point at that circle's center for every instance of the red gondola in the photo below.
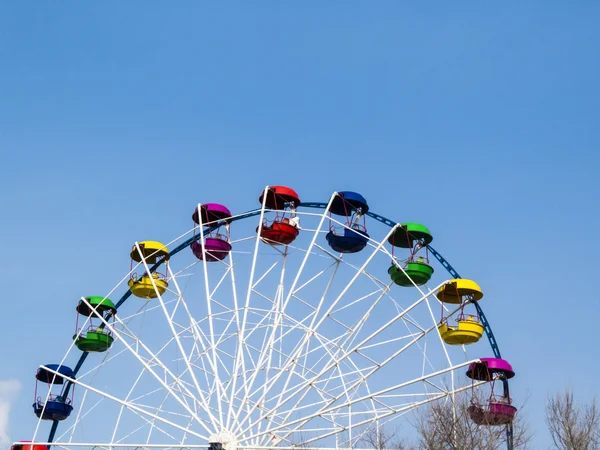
(284, 228)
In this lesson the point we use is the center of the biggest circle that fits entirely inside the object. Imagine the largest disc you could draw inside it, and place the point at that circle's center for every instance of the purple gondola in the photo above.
(216, 243)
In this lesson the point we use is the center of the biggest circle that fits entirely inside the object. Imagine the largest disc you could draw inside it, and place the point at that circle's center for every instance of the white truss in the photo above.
(275, 347)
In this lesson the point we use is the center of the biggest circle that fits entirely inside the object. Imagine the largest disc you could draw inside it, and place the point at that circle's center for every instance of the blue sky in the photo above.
(477, 120)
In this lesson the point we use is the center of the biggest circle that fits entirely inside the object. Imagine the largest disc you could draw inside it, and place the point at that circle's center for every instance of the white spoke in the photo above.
(176, 336)
(126, 404)
(145, 364)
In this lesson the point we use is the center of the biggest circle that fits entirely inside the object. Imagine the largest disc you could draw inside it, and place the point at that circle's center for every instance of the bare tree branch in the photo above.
(572, 426)
(381, 438)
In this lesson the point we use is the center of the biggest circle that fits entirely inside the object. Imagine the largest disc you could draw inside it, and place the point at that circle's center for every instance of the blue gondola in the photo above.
(352, 237)
(57, 408)
(352, 241)
(346, 202)
(53, 406)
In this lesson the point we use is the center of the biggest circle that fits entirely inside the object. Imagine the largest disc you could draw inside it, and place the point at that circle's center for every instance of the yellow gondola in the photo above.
(142, 287)
(468, 331)
(454, 291)
(153, 252)
(149, 286)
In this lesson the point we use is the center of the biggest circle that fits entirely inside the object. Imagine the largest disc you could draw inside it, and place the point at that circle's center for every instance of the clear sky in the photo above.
(478, 120)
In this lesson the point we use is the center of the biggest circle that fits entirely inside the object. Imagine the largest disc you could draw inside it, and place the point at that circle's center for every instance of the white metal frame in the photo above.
(255, 370)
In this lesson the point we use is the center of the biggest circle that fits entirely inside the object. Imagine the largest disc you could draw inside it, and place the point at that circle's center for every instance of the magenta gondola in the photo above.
(216, 246)
(486, 368)
(498, 410)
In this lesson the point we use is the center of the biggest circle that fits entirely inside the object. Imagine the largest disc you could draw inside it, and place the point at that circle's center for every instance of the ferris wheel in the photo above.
(291, 325)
